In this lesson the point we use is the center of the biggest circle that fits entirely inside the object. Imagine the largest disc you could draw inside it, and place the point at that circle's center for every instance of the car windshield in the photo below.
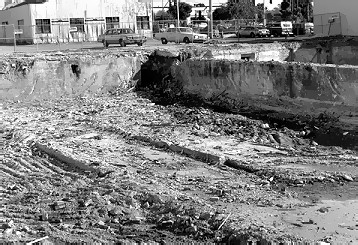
(127, 31)
(186, 29)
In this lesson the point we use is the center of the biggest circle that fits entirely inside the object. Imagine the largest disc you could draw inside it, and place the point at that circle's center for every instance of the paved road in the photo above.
(95, 45)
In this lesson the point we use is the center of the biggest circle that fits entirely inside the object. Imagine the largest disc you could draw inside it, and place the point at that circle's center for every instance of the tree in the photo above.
(286, 13)
(184, 10)
(243, 9)
(260, 11)
(162, 15)
(222, 13)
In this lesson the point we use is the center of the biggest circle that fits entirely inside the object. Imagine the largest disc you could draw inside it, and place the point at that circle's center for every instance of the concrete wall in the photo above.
(254, 80)
(342, 55)
(25, 79)
(346, 7)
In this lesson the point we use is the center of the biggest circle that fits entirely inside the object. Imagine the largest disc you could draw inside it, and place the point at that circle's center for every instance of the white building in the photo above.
(72, 20)
(345, 23)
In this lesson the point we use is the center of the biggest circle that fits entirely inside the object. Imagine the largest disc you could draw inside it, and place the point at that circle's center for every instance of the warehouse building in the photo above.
(333, 17)
(51, 21)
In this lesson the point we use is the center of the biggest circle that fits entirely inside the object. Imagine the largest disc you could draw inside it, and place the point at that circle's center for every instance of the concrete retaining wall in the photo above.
(341, 55)
(70, 75)
(209, 78)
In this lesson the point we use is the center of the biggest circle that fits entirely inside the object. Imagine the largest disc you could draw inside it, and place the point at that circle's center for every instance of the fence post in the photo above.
(14, 38)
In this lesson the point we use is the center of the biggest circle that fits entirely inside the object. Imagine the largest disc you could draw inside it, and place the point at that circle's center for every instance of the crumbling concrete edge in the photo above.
(209, 158)
(194, 154)
(71, 162)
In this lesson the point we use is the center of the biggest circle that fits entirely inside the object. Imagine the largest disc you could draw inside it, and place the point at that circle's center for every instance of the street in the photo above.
(7, 49)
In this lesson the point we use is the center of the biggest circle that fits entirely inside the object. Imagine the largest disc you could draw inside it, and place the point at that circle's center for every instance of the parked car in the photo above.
(180, 34)
(122, 36)
(225, 30)
(205, 30)
(252, 31)
(283, 28)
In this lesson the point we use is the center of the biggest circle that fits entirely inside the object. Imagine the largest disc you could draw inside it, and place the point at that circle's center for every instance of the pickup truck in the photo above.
(180, 34)
(121, 36)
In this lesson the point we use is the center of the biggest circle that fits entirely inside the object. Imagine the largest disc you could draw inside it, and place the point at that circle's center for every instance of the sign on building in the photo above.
(18, 31)
(73, 29)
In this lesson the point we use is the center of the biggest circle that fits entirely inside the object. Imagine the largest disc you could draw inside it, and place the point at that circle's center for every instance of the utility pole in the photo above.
(211, 18)
(264, 13)
(177, 13)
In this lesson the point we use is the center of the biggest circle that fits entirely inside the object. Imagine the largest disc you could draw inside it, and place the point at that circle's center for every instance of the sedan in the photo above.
(122, 36)
(253, 32)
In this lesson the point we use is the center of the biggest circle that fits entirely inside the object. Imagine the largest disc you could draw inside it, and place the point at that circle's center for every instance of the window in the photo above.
(20, 24)
(79, 23)
(43, 26)
(143, 22)
(112, 22)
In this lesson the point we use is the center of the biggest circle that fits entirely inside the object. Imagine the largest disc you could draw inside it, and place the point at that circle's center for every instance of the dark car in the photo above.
(283, 28)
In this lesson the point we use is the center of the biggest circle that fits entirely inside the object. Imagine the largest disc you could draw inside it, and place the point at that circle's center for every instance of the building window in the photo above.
(20, 24)
(112, 22)
(43, 26)
(143, 22)
(79, 23)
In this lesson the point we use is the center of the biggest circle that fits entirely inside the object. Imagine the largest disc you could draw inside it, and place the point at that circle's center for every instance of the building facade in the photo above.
(72, 20)
(344, 12)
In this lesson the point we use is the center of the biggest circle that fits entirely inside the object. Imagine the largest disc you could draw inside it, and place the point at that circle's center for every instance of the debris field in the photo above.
(124, 169)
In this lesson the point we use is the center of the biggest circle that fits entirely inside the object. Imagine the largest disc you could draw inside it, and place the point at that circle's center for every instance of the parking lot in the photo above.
(34, 48)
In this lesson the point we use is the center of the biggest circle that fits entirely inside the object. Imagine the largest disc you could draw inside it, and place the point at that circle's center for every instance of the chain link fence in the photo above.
(222, 29)
(65, 32)
(61, 32)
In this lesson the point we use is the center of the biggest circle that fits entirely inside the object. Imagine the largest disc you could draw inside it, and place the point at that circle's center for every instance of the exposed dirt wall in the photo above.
(209, 77)
(66, 75)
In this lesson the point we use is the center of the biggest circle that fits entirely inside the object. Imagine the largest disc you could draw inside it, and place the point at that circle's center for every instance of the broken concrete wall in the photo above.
(71, 75)
(209, 78)
(335, 50)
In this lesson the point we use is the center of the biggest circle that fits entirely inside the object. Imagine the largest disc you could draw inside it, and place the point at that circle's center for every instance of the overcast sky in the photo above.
(158, 3)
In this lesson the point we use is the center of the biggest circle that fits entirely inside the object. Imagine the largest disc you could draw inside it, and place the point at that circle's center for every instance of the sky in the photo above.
(158, 3)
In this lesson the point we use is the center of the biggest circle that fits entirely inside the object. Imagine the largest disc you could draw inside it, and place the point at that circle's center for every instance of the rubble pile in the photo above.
(76, 170)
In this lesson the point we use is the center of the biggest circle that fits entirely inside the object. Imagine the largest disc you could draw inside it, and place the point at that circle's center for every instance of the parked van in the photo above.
(303, 28)
(283, 28)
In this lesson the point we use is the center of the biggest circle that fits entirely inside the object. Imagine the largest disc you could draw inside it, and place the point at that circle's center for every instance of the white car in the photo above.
(180, 34)
(251, 31)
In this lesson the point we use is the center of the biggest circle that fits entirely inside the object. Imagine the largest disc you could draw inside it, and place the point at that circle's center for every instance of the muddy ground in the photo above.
(124, 169)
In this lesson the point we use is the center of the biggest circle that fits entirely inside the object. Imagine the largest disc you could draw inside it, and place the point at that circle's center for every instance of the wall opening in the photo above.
(76, 70)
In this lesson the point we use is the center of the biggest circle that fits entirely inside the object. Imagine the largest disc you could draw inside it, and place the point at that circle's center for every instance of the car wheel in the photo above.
(105, 44)
(122, 43)
(164, 41)
(252, 35)
(140, 44)
(186, 40)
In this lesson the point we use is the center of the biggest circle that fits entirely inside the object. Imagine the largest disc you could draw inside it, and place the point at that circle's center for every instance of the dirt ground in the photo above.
(84, 170)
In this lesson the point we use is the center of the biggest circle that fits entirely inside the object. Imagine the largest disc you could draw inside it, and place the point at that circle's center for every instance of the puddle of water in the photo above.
(336, 220)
